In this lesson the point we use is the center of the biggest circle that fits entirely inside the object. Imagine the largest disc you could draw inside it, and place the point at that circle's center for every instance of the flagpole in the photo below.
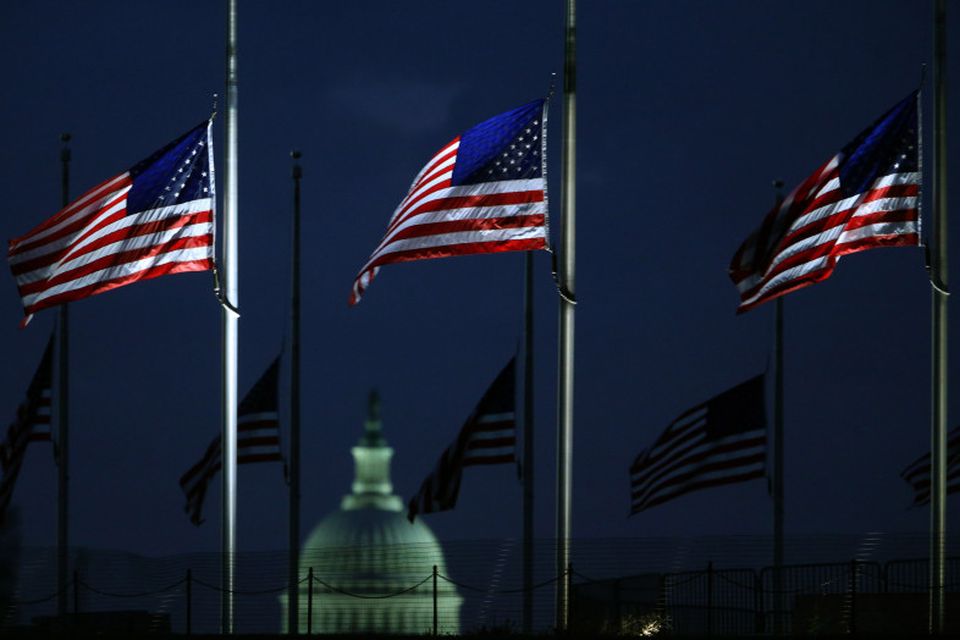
(778, 509)
(229, 353)
(63, 414)
(939, 277)
(528, 444)
(567, 301)
(293, 597)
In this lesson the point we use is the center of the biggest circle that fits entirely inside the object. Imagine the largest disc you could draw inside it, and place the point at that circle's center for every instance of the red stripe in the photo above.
(258, 457)
(481, 200)
(114, 259)
(99, 287)
(118, 259)
(257, 425)
(698, 485)
(476, 224)
(257, 441)
(15, 245)
(485, 460)
(80, 226)
(466, 248)
(491, 443)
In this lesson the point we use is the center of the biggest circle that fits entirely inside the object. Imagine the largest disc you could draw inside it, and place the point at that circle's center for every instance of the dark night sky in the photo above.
(687, 110)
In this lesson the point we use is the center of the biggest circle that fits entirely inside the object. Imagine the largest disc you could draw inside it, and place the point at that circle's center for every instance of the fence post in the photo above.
(434, 599)
(309, 601)
(76, 591)
(760, 623)
(710, 598)
(189, 602)
(853, 597)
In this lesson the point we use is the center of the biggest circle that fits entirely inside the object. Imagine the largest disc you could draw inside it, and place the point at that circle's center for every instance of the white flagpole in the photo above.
(228, 407)
(567, 264)
(938, 275)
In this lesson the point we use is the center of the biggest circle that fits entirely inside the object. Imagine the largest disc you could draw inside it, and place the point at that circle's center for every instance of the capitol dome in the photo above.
(366, 550)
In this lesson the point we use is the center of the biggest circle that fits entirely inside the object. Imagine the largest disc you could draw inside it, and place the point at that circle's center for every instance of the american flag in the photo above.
(918, 473)
(483, 192)
(718, 442)
(258, 440)
(32, 424)
(864, 197)
(153, 219)
(488, 437)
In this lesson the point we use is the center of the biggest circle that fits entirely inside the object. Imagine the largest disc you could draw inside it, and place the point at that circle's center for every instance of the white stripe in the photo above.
(715, 475)
(889, 180)
(886, 205)
(484, 212)
(120, 271)
(789, 274)
(145, 217)
(254, 417)
(104, 193)
(832, 185)
(464, 237)
(488, 452)
(420, 189)
(487, 418)
(471, 190)
(111, 202)
(483, 436)
(252, 451)
(879, 229)
(700, 447)
(655, 485)
(127, 244)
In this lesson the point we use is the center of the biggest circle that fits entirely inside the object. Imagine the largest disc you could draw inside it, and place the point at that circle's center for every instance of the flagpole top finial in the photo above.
(295, 154)
(777, 184)
(65, 137)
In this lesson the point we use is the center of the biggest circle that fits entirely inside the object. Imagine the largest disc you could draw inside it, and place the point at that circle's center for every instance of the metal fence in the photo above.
(696, 586)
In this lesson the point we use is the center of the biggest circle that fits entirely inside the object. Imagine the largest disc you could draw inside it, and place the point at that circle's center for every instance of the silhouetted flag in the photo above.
(484, 192)
(32, 424)
(258, 440)
(918, 473)
(488, 437)
(864, 197)
(721, 441)
(153, 219)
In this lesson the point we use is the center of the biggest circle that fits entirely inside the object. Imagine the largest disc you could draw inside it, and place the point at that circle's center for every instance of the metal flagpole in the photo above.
(63, 413)
(567, 301)
(938, 275)
(778, 453)
(528, 445)
(229, 354)
(293, 591)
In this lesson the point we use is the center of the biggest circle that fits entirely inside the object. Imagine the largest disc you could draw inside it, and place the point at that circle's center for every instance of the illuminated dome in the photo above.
(369, 548)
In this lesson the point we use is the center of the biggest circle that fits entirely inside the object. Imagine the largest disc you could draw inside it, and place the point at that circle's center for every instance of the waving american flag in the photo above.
(153, 219)
(864, 197)
(483, 192)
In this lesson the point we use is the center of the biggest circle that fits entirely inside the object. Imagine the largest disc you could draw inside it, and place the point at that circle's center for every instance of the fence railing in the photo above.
(478, 589)
(844, 597)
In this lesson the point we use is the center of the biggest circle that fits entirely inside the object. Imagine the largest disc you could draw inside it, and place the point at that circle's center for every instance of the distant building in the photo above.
(369, 548)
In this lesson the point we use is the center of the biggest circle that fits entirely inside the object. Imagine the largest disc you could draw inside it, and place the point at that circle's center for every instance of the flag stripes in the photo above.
(917, 474)
(32, 424)
(488, 437)
(258, 440)
(721, 441)
(866, 196)
(483, 192)
(152, 220)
